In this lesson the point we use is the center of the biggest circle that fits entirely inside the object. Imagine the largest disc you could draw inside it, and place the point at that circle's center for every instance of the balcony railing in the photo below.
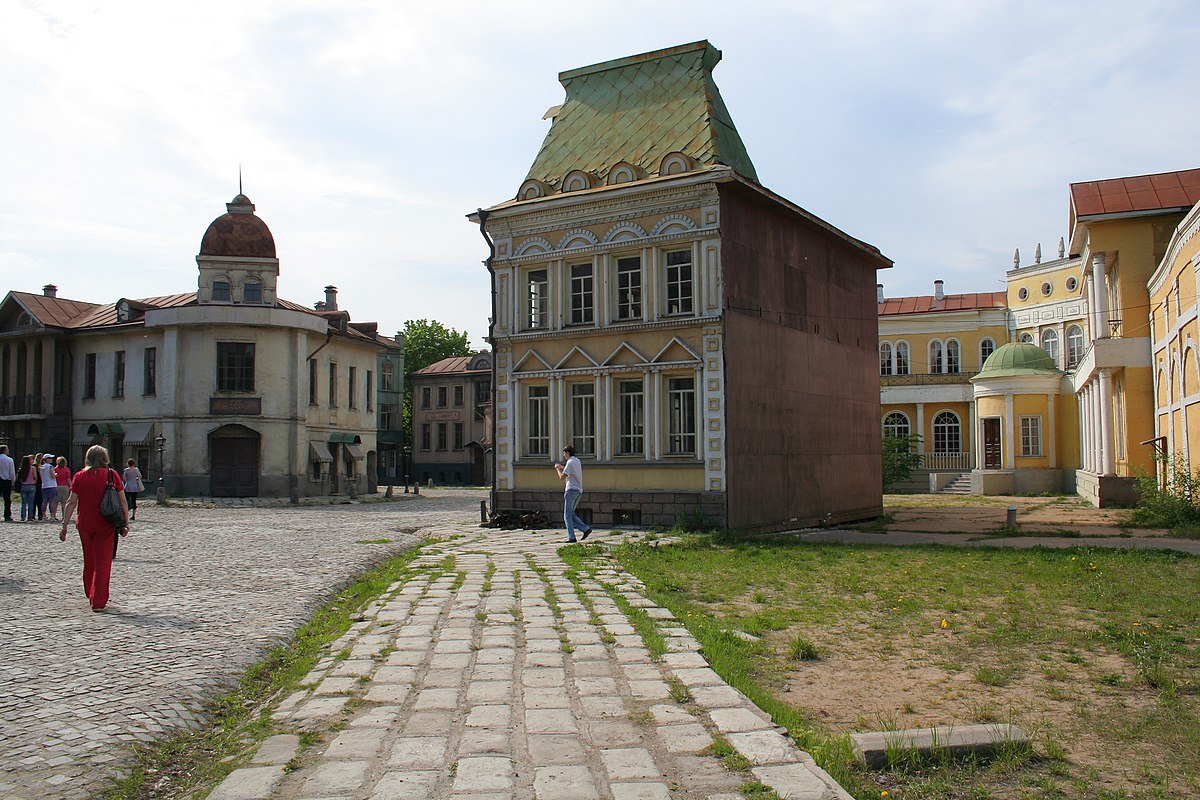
(948, 462)
(21, 404)
(926, 379)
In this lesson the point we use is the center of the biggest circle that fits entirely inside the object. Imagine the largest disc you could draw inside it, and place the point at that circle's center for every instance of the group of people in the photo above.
(49, 487)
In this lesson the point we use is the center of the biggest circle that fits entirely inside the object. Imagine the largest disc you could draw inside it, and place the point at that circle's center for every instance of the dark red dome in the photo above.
(238, 233)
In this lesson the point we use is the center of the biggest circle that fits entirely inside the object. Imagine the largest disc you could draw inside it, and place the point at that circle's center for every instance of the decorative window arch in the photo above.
(623, 172)
(902, 360)
(25, 320)
(886, 362)
(578, 180)
(252, 291)
(987, 346)
(1050, 343)
(947, 433)
(896, 424)
(1074, 346)
(937, 357)
(953, 356)
(579, 237)
(675, 164)
(1025, 338)
(221, 289)
(533, 189)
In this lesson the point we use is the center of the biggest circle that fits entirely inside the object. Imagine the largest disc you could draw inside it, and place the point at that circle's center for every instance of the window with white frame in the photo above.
(1031, 437)
(953, 357)
(1074, 346)
(937, 363)
(631, 424)
(1050, 343)
(901, 358)
(1025, 338)
(947, 433)
(679, 282)
(986, 347)
(681, 416)
(537, 291)
(896, 424)
(537, 421)
(583, 418)
(629, 288)
(885, 358)
(583, 294)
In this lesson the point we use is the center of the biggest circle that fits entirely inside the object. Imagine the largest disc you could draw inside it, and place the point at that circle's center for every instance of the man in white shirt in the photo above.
(8, 474)
(571, 471)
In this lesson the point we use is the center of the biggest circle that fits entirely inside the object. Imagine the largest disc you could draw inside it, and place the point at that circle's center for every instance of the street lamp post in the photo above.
(161, 497)
(407, 465)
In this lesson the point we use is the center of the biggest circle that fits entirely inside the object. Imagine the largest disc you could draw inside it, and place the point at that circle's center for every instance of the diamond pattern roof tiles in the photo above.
(639, 109)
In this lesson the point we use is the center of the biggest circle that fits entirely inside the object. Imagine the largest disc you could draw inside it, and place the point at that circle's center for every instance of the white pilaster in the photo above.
(972, 439)
(1100, 273)
(922, 445)
(1048, 432)
(1107, 451)
(1009, 460)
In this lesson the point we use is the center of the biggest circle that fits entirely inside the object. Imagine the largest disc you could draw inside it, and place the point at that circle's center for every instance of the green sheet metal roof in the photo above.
(1017, 358)
(638, 109)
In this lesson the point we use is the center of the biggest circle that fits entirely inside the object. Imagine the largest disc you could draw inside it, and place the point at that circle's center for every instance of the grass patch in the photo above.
(238, 721)
(1050, 624)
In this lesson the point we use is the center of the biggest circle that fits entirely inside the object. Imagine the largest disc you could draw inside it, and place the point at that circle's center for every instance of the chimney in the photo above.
(937, 291)
(319, 305)
(331, 298)
(50, 290)
(879, 292)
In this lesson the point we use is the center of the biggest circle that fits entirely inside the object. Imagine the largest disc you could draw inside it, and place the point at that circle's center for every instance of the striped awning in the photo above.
(140, 433)
(319, 451)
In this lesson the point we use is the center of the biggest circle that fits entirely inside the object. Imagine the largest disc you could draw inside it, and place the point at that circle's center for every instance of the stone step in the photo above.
(979, 740)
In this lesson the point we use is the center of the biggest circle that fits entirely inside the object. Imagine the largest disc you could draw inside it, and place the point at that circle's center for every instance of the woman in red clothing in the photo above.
(96, 533)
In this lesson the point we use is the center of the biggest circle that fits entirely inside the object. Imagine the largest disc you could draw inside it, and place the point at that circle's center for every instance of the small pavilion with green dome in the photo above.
(1026, 430)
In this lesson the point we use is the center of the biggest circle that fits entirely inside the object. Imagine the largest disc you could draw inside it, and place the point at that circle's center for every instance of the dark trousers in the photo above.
(6, 490)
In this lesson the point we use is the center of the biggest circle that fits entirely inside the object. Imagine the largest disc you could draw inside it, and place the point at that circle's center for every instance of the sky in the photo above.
(944, 133)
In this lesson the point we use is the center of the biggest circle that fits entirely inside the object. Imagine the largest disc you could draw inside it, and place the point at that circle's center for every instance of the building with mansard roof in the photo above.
(706, 345)
(452, 420)
(248, 394)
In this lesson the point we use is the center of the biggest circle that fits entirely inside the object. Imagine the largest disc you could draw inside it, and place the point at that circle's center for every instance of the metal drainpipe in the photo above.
(483, 216)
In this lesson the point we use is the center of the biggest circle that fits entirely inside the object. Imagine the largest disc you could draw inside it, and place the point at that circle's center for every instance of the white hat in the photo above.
(49, 456)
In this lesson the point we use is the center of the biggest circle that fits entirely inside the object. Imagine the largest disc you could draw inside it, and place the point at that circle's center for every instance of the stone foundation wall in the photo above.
(604, 508)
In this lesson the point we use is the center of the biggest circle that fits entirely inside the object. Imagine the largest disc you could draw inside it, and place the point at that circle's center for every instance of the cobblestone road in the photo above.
(507, 678)
(198, 594)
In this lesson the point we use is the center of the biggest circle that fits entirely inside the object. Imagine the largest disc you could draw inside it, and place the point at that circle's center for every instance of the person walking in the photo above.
(8, 474)
(27, 478)
(571, 471)
(97, 534)
(133, 484)
(37, 487)
(62, 483)
(49, 489)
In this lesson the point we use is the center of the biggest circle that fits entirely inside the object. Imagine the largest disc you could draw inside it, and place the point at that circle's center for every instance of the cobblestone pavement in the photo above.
(198, 594)
(502, 676)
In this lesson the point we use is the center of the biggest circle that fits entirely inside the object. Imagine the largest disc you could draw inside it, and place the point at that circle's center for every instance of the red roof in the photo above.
(1160, 192)
(52, 311)
(925, 304)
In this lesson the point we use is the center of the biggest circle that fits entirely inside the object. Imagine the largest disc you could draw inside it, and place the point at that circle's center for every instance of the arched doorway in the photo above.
(233, 458)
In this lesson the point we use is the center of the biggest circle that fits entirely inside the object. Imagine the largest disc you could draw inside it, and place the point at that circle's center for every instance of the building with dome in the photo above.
(249, 394)
(705, 345)
(1111, 322)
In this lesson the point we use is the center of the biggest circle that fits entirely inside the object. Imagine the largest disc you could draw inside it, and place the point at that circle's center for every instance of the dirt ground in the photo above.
(909, 684)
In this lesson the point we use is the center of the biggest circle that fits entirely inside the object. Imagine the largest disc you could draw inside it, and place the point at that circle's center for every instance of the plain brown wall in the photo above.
(803, 440)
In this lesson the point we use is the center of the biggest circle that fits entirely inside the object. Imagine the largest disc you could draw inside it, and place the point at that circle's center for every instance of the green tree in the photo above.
(900, 458)
(427, 342)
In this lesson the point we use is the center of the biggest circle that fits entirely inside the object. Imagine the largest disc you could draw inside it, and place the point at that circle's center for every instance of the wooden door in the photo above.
(992, 453)
(234, 467)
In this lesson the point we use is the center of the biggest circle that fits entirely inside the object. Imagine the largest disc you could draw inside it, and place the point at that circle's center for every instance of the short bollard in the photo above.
(388, 493)
(483, 510)
(1011, 520)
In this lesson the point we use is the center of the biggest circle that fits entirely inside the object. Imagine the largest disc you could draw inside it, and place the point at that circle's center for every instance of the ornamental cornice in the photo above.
(611, 369)
(695, 234)
(599, 212)
(621, 327)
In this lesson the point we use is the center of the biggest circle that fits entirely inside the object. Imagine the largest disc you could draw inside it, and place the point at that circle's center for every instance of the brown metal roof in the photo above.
(1159, 192)
(925, 304)
(238, 233)
(105, 315)
(448, 365)
(52, 311)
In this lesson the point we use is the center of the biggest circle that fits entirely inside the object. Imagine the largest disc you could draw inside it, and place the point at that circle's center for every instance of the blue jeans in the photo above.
(28, 511)
(570, 500)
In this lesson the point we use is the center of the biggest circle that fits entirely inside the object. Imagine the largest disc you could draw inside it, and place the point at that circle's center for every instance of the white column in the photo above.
(610, 409)
(1085, 428)
(654, 432)
(1009, 461)
(1093, 304)
(1100, 272)
(922, 445)
(555, 413)
(972, 439)
(1048, 432)
(1107, 449)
